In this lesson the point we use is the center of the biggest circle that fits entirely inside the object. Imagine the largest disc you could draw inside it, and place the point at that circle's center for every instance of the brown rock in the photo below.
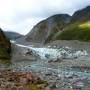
(30, 77)
(8, 87)
(20, 88)
(14, 88)
(23, 80)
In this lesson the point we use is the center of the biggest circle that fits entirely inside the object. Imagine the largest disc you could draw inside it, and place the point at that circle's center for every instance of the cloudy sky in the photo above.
(22, 15)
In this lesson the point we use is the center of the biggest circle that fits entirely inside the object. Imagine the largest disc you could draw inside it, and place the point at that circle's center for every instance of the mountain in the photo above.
(62, 27)
(81, 15)
(12, 35)
(45, 30)
(5, 46)
(78, 28)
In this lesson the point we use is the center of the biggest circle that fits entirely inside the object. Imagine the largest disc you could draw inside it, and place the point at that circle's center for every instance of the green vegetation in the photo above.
(40, 86)
(5, 61)
(5, 46)
(85, 25)
(57, 26)
(78, 28)
(76, 31)
(3, 53)
(42, 25)
(62, 27)
(31, 87)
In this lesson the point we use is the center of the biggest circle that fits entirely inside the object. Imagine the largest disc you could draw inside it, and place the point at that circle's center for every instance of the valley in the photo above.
(62, 72)
(54, 55)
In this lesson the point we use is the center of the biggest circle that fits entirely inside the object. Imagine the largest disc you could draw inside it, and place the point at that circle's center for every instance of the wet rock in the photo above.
(41, 86)
(48, 73)
(55, 60)
(14, 88)
(23, 80)
(53, 86)
(47, 88)
(47, 56)
(78, 85)
(29, 52)
(21, 88)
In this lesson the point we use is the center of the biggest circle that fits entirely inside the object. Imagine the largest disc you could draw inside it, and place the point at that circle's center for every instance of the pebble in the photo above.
(80, 84)
(20, 88)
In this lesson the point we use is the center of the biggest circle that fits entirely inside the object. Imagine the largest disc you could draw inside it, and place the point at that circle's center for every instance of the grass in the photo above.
(85, 25)
(4, 54)
(78, 31)
(31, 87)
(5, 61)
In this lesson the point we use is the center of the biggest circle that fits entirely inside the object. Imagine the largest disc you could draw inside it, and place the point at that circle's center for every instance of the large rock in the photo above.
(5, 46)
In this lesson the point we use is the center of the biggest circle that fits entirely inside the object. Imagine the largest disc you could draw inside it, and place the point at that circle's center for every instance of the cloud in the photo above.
(22, 15)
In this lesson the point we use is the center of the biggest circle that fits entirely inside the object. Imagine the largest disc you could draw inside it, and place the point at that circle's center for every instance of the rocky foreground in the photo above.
(21, 80)
(16, 80)
(60, 74)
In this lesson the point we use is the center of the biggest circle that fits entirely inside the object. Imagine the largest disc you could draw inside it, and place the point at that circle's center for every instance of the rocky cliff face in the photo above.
(46, 29)
(5, 46)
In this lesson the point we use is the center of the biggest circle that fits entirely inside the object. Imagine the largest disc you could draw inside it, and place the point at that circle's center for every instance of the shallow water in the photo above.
(44, 67)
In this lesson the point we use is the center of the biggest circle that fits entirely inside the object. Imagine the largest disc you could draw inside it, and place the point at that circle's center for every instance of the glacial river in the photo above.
(42, 65)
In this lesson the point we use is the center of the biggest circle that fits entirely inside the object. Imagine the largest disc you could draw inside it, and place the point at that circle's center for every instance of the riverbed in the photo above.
(59, 75)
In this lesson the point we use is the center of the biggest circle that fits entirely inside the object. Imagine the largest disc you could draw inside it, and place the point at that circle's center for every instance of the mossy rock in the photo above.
(5, 46)
(32, 87)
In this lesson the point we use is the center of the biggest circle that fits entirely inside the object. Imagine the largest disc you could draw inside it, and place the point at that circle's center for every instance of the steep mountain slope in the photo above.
(5, 46)
(78, 28)
(12, 35)
(46, 29)
(62, 27)
(81, 15)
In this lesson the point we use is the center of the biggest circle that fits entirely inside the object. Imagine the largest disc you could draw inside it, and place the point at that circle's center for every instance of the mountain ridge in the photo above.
(46, 28)
(78, 28)
(12, 35)
(62, 27)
